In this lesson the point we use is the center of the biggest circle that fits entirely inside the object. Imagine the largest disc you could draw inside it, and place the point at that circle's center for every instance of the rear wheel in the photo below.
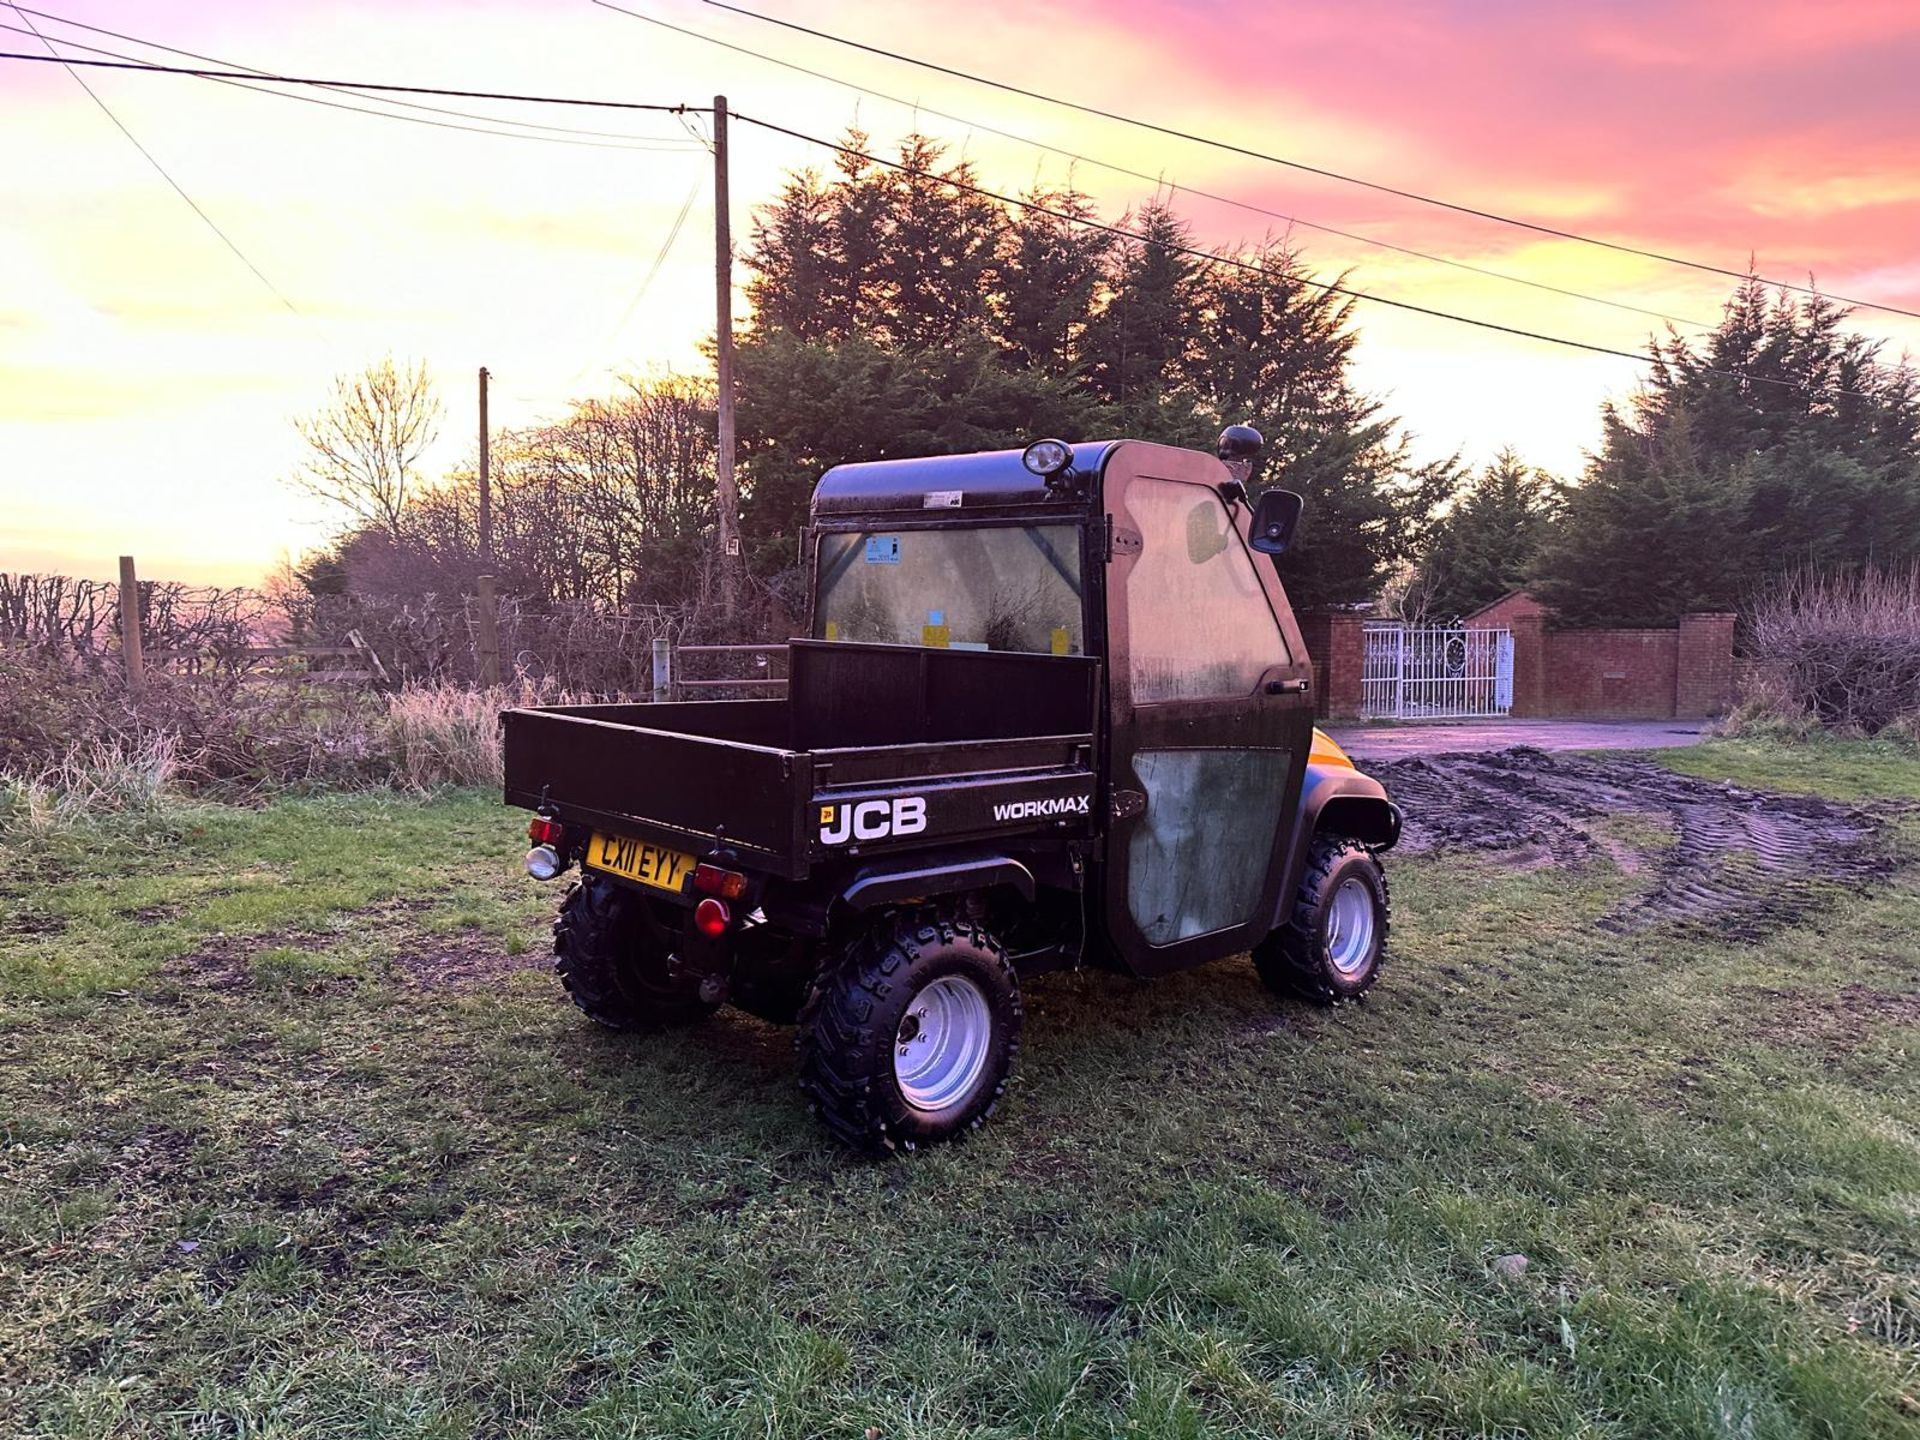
(910, 1038)
(612, 955)
(1333, 943)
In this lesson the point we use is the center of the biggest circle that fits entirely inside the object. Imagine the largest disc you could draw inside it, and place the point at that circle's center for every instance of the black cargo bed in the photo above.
(858, 719)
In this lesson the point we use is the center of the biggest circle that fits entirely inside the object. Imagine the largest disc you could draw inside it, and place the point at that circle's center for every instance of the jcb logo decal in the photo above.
(872, 819)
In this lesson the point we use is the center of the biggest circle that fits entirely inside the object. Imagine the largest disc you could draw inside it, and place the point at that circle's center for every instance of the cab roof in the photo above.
(983, 480)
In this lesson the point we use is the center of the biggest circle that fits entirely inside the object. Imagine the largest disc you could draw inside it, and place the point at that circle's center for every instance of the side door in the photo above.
(1210, 717)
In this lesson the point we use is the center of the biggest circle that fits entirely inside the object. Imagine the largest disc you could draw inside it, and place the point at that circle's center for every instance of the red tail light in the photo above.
(712, 880)
(542, 831)
(711, 918)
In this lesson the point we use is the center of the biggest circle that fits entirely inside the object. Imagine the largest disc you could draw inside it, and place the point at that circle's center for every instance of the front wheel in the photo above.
(910, 1038)
(1332, 945)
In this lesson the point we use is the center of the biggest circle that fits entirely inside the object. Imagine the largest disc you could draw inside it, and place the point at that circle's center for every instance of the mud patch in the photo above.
(1834, 1022)
(461, 962)
(33, 923)
(1736, 862)
(221, 962)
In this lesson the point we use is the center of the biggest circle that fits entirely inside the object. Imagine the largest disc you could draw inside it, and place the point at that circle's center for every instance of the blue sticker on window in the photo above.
(883, 550)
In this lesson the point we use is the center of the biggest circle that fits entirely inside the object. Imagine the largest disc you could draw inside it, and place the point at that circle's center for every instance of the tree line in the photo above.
(612, 503)
(896, 312)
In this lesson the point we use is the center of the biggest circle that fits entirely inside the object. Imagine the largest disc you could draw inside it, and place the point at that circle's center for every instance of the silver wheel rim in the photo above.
(1350, 927)
(940, 1050)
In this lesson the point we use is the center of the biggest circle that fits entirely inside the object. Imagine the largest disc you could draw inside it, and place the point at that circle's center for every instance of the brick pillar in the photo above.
(1346, 657)
(1703, 666)
(1529, 664)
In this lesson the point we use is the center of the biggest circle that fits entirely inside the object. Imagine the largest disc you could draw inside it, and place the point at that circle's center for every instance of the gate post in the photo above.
(130, 653)
(662, 669)
(1346, 659)
(1400, 672)
(1529, 664)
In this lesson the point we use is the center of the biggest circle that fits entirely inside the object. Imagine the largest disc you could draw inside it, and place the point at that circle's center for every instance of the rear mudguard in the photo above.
(913, 877)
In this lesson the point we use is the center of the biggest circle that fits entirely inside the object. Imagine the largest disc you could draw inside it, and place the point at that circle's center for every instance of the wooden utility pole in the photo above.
(726, 492)
(130, 628)
(486, 479)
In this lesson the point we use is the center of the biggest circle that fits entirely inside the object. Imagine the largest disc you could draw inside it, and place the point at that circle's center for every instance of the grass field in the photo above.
(298, 1138)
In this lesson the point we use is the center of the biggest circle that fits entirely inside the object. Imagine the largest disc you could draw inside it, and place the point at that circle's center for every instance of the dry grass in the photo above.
(438, 735)
(123, 775)
(442, 735)
(75, 746)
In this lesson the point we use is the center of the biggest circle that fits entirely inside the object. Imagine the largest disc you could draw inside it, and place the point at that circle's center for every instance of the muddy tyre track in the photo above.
(1742, 863)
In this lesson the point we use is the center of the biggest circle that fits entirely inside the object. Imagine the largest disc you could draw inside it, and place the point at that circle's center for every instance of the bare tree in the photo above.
(364, 448)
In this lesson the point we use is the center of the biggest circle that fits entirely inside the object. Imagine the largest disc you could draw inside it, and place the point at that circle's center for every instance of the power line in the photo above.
(1202, 255)
(279, 79)
(1117, 169)
(132, 139)
(1325, 174)
(646, 283)
(666, 248)
(667, 144)
(1235, 262)
(24, 11)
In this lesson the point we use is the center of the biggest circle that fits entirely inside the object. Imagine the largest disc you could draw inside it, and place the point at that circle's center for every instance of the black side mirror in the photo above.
(1276, 514)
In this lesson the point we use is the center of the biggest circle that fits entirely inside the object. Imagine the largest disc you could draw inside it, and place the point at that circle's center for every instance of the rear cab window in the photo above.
(987, 587)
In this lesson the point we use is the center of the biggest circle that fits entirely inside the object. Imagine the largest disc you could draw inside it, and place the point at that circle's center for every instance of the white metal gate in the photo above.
(1436, 673)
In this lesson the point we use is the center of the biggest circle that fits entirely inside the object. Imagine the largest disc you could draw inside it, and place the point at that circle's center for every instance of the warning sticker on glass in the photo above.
(883, 550)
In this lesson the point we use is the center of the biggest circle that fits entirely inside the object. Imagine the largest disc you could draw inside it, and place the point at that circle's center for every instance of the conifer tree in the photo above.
(1487, 542)
(1781, 440)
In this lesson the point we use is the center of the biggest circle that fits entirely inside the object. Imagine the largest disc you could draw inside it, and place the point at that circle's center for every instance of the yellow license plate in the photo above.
(635, 859)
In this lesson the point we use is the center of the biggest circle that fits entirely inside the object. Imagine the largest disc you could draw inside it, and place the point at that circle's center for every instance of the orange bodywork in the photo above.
(1325, 752)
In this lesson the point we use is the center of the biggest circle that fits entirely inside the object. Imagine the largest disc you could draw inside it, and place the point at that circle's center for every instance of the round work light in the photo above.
(1047, 458)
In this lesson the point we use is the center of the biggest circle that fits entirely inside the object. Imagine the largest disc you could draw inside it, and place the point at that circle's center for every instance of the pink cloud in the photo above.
(1723, 126)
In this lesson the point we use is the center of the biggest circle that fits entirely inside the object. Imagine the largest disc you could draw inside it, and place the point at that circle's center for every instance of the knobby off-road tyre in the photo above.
(1334, 942)
(606, 955)
(910, 1037)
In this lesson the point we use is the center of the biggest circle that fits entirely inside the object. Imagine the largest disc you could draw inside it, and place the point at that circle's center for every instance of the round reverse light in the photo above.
(1047, 458)
(711, 917)
(543, 862)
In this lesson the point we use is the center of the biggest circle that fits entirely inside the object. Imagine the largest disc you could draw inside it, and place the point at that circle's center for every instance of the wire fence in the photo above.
(239, 634)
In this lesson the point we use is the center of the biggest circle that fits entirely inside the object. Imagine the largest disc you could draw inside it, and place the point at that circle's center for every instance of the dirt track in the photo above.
(1741, 862)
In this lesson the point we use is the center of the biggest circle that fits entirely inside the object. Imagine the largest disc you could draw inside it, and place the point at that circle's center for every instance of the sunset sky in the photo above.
(148, 379)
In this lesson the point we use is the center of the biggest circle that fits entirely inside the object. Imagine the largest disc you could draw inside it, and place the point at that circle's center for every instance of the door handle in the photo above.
(1288, 687)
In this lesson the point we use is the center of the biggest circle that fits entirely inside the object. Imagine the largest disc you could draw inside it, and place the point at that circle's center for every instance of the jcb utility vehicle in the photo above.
(1053, 710)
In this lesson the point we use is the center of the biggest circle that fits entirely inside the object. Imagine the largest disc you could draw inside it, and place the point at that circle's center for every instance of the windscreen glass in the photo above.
(999, 587)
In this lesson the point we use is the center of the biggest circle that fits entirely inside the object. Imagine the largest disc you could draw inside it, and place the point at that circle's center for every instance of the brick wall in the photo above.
(1686, 672)
(1611, 674)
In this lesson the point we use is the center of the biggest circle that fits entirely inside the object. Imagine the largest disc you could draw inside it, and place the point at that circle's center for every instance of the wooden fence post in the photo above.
(662, 669)
(488, 640)
(130, 628)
